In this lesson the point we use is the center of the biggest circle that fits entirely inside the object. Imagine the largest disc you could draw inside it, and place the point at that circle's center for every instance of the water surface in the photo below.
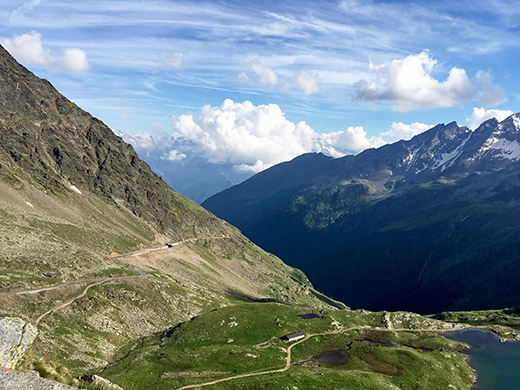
(497, 364)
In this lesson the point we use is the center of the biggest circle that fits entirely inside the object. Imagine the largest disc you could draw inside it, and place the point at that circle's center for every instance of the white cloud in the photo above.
(480, 115)
(253, 138)
(490, 95)
(72, 60)
(307, 82)
(29, 50)
(23, 9)
(353, 139)
(243, 78)
(174, 155)
(400, 130)
(267, 75)
(174, 60)
(142, 140)
(408, 84)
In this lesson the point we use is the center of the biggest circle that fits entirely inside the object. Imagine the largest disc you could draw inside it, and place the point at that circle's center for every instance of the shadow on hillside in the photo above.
(240, 296)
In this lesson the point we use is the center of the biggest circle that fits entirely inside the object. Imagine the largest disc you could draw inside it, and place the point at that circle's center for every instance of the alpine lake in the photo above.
(497, 363)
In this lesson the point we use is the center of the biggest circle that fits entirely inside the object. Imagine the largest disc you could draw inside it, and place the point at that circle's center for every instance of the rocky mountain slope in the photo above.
(424, 225)
(73, 196)
(49, 141)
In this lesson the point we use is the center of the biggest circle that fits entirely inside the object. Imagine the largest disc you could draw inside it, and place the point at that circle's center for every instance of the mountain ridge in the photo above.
(93, 157)
(416, 188)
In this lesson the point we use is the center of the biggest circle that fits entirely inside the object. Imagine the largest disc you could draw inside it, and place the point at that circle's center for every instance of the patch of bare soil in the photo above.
(192, 374)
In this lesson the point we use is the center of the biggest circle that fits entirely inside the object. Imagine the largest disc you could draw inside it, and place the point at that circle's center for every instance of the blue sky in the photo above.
(379, 66)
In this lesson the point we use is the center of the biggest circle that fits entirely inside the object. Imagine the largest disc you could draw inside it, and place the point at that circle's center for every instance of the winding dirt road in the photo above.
(92, 280)
(287, 366)
(97, 281)
(283, 369)
(142, 274)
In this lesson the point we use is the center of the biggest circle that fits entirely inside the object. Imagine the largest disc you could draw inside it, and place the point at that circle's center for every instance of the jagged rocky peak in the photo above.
(452, 149)
(502, 142)
(436, 148)
(509, 126)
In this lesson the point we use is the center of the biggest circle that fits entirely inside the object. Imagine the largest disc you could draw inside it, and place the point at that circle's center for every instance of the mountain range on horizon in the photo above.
(426, 225)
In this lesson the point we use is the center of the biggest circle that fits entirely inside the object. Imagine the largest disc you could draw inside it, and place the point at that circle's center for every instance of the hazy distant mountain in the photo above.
(176, 160)
(427, 224)
(199, 171)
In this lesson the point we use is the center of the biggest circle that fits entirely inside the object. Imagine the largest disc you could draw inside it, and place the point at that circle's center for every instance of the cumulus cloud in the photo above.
(243, 78)
(143, 140)
(400, 130)
(307, 82)
(408, 84)
(490, 95)
(267, 75)
(174, 60)
(263, 75)
(480, 115)
(251, 137)
(352, 139)
(303, 80)
(174, 155)
(28, 49)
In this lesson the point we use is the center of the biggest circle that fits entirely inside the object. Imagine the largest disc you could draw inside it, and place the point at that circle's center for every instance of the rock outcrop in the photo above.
(14, 380)
(16, 336)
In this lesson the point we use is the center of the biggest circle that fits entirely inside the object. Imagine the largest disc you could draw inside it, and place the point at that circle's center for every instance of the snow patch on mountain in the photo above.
(505, 148)
(75, 189)
(410, 159)
(516, 121)
(448, 159)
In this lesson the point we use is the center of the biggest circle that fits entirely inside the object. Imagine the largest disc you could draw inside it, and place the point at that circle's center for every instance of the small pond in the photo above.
(497, 364)
(334, 358)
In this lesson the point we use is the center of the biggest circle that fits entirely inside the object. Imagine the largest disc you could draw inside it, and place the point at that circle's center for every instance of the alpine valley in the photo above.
(425, 225)
(109, 279)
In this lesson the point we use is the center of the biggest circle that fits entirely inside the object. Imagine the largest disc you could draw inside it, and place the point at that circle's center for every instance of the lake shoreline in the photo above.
(492, 360)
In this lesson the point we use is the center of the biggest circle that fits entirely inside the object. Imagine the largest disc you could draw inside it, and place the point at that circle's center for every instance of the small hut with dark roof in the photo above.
(293, 336)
